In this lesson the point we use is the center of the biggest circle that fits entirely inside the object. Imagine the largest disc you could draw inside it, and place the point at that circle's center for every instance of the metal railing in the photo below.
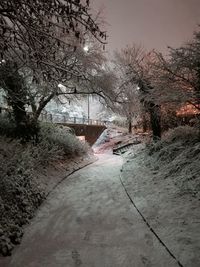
(59, 118)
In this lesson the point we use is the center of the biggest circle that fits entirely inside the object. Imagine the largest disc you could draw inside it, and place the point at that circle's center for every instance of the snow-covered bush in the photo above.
(185, 133)
(63, 138)
(20, 190)
(177, 157)
(7, 126)
(182, 134)
(120, 121)
(20, 194)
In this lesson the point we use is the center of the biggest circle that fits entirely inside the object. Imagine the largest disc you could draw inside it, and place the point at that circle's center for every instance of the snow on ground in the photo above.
(112, 136)
(172, 212)
(88, 221)
(43, 182)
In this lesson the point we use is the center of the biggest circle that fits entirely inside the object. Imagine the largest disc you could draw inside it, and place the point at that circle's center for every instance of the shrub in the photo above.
(17, 160)
(55, 142)
(183, 133)
(177, 157)
(63, 138)
(7, 126)
(20, 193)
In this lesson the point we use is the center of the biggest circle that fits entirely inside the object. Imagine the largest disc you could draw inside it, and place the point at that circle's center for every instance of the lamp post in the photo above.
(88, 108)
(129, 115)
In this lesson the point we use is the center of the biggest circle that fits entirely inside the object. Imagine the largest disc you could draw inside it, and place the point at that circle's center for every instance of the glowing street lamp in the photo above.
(2, 61)
(86, 48)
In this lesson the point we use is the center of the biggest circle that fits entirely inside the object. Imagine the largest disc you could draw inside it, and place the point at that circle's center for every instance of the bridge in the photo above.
(88, 129)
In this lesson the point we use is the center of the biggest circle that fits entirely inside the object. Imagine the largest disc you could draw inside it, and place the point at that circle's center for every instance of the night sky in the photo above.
(151, 23)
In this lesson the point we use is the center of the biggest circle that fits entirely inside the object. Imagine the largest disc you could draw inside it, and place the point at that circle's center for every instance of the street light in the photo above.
(60, 85)
(88, 108)
(86, 48)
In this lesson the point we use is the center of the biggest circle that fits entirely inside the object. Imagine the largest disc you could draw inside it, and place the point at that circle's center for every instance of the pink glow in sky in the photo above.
(151, 23)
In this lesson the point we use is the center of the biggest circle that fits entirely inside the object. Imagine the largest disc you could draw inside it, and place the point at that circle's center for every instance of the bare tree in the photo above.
(38, 32)
(44, 41)
(179, 74)
(134, 66)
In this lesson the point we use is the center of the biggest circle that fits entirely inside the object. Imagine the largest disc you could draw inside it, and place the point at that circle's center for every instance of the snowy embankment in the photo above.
(163, 181)
(29, 172)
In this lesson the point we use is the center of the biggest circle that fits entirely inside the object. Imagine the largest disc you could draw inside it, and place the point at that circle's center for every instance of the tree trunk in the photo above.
(155, 119)
(144, 123)
(26, 128)
(17, 99)
(43, 102)
(130, 126)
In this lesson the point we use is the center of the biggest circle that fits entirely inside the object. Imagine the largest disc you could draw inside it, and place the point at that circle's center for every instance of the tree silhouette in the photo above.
(40, 33)
(44, 40)
(135, 84)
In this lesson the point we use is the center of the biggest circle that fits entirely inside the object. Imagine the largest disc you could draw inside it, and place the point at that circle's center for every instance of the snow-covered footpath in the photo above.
(89, 221)
(144, 212)
(173, 216)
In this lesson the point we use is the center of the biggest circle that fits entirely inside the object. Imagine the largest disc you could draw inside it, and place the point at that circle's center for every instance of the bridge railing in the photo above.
(58, 118)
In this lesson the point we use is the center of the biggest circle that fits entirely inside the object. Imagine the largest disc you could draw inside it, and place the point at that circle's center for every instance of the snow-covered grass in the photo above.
(177, 157)
(20, 194)
(163, 180)
(21, 189)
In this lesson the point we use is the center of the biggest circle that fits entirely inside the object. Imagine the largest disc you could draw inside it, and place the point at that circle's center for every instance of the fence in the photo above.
(59, 118)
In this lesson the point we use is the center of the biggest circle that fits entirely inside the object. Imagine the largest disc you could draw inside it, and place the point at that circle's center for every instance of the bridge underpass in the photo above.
(90, 132)
(89, 129)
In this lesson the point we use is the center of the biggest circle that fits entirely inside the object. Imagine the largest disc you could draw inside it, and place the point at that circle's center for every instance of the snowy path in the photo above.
(88, 221)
